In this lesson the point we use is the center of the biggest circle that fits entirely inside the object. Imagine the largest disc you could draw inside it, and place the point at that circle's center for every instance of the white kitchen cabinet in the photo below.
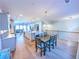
(3, 21)
(3, 33)
(7, 41)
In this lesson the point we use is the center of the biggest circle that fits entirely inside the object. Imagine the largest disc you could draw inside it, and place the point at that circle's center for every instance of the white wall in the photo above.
(48, 27)
(71, 25)
(64, 25)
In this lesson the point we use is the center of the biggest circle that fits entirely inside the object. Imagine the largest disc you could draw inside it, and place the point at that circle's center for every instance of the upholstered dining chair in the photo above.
(41, 46)
(55, 40)
(52, 42)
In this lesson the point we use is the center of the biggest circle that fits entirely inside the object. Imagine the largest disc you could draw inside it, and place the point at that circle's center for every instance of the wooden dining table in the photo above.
(44, 40)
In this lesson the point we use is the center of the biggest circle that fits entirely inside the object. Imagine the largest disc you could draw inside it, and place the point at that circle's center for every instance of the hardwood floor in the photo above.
(25, 50)
(22, 52)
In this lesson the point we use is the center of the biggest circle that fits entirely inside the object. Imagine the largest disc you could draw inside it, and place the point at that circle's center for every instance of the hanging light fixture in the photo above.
(45, 12)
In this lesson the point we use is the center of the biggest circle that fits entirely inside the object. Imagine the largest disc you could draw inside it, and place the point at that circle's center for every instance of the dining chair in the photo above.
(52, 42)
(40, 45)
(55, 40)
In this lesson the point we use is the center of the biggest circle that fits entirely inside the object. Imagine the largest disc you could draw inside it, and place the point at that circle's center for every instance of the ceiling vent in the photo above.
(67, 1)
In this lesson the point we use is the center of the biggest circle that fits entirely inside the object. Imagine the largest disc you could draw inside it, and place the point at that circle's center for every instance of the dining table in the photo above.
(44, 40)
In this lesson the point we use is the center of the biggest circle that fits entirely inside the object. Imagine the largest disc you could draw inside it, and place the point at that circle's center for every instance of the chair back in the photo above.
(53, 37)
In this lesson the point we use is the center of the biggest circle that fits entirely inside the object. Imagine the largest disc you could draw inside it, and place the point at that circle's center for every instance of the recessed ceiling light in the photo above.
(70, 17)
(0, 10)
(21, 15)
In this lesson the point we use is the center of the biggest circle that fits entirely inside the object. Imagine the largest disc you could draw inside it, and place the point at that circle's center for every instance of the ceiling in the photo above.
(49, 10)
